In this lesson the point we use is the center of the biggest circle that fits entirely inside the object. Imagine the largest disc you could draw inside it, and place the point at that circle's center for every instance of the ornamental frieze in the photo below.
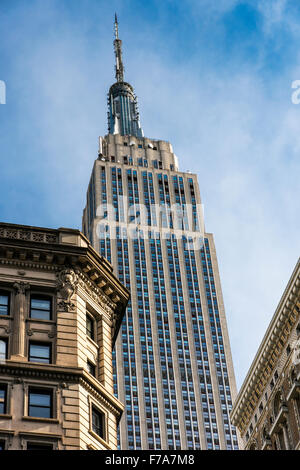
(28, 235)
(95, 293)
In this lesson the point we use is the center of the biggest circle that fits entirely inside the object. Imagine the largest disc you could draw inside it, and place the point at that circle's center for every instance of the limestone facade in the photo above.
(173, 367)
(267, 409)
(60, 311)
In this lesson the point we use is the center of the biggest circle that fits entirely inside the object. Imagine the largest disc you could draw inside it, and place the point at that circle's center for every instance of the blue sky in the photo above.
(213, 77)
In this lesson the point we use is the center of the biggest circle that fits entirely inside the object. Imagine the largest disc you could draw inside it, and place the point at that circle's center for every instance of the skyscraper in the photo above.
(173, 365)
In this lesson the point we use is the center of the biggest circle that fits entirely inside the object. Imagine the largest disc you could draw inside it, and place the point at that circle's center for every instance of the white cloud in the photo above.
(237, 132)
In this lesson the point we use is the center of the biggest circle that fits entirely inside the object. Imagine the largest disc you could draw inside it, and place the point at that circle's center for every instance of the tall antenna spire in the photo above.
(116, 27)
(123, 114)
(118, 53)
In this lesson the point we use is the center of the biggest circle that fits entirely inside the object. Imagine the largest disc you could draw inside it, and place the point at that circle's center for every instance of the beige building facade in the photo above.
(173, 365)
(60, 311)
(267, 409)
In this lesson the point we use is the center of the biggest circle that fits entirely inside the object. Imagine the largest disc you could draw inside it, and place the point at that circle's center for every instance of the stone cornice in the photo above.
(59, 250)
(63, 375)
(285, 317)
(96, 389)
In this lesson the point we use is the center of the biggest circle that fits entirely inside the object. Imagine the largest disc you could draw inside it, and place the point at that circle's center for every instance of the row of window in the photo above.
(41, 405)
(40, 306)
(30, 445)
(37, 351)
(41, 309)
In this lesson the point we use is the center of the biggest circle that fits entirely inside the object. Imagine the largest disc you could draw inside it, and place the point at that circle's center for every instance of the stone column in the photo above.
(297, 410)
(105, 356)
(277, 441)
(18, 345)
(285, 436)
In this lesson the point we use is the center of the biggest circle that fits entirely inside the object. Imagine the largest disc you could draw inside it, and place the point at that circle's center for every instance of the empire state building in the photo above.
(173, 368)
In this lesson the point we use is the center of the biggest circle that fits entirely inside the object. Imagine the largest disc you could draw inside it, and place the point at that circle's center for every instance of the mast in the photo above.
(118, 53)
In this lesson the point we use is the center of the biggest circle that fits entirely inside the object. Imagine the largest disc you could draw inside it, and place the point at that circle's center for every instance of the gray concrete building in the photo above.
(172, 364)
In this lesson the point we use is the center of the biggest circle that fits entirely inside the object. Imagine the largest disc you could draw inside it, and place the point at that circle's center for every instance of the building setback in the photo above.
(173, 365)
(60, 312)
(267, 409)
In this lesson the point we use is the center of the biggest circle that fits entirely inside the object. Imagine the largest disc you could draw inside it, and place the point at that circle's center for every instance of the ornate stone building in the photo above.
(60, 311)
(267, 409)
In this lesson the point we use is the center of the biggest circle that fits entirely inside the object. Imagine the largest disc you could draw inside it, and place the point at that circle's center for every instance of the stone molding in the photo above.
(28, 235)
(21, 287)
(100, 397)
(24, 372)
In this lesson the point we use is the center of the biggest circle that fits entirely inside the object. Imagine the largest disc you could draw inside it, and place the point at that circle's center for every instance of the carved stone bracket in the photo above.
(7, 329)
(65, 306)
(296, 352)
(21, 287)
(67, 281)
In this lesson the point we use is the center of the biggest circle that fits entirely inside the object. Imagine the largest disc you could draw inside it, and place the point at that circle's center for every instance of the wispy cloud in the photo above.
(226, 110)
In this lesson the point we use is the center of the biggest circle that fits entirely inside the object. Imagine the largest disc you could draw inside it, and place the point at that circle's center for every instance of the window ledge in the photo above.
(92, 342)
(41, 420)
(40, 320)
(102, 441)
(4, 416)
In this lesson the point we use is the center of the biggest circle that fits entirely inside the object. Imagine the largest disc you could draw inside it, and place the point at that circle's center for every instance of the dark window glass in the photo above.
(90, 327)
(40, 403)
(3, 349)
(37, 446)
(3, 395)
(39, 352)
(98, 422)
(91, 368)
(4, 303)
(40, 308)
(2, 445)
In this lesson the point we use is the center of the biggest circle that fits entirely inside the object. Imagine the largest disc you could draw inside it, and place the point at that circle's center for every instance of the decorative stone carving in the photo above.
(18, 344)
(296, 352)
(7, 329)
(292, 375)
(265, 431)
(24, 235)
(21, 287)
(95, 293)
(22, 273)
(253, 445)
(63, 385)
(51, 238)
(66, 286)
(28, 235)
